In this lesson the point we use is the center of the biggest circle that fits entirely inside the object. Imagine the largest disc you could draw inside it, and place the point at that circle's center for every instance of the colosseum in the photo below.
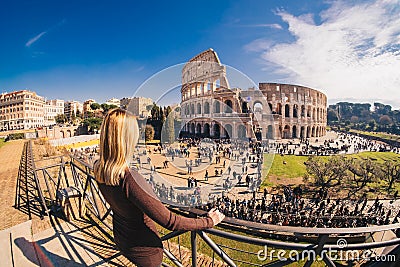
(210, 108)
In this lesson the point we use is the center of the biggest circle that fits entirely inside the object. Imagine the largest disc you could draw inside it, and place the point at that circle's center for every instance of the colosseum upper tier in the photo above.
(210, 108)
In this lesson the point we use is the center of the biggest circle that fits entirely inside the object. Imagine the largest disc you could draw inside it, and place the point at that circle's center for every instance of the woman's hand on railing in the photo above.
(216, 216)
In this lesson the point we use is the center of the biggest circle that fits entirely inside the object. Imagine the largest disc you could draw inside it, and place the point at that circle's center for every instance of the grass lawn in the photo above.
(386, 136)
(378, 156)
(295, 168)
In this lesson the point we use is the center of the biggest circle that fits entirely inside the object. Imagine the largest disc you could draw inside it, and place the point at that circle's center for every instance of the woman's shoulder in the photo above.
(134, 181)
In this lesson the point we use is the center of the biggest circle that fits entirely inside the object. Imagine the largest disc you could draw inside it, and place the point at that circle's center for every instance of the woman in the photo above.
(134, 204)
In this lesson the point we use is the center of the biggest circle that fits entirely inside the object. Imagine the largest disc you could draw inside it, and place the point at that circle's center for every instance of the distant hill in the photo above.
(362, 116)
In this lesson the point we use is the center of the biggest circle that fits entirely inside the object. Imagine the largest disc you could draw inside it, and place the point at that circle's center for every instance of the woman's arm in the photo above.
(152, 207)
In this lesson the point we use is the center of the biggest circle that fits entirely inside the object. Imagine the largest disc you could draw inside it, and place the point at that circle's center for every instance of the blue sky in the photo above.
(350, 50)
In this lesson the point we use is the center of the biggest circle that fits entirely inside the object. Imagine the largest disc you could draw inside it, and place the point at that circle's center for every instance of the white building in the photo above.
(21, 110)
(52, 108)
(139, 106)
(72, 108)
(113, 101)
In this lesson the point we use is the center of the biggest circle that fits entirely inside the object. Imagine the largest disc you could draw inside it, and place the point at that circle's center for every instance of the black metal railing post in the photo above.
(193, 244)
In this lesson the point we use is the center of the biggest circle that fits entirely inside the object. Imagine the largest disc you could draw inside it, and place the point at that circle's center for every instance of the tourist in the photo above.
(131, 198)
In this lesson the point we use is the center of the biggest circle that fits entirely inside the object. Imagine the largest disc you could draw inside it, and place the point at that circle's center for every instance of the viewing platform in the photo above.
(64, 238)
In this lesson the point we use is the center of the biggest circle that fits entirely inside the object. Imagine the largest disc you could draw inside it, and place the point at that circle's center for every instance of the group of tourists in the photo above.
(291, 209)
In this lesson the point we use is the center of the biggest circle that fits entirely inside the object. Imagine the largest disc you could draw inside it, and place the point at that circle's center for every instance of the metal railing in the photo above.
(233, 245)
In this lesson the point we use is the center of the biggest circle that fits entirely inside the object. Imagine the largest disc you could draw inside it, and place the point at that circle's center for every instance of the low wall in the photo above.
(73, 139)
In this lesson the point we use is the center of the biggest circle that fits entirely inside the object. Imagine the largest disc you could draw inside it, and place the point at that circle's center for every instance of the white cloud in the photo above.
(353, 53)
(272, 26)
(258, 45)
(35, 39)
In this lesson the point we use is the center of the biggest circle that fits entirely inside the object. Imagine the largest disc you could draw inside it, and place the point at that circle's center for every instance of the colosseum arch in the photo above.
(228, 106)
(303, 111)
(295, 111)
(198, 129)
(286, 132)
(206, 108)
(228, 130)
(294, 131)
(206, 130)
(217, 130)
(309, 112)
(279, 109)
(198, 108)
(287, 111)
(258, 107)
(241, 131)
(217, 107)
(192, 128)
(270, 107)
(302, 132)
(245, 107)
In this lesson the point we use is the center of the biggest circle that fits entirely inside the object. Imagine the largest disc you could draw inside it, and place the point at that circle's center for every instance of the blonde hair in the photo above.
(118, 138)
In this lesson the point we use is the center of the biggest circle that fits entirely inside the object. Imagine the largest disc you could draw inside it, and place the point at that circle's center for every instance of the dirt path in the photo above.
(10, 155)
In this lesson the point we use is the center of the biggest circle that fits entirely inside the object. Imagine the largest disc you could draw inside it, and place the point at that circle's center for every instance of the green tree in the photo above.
(372, 125)
(93, 124)
(149, 132)
(89, 114)
(60, 118)
(354, 119)
(155, 112)
(149, 107)
(79, 114)
(162, 116)
(95, 106)
(106, 107)
(332, 115)
(73, 116)
(168, 130)
(385, 121)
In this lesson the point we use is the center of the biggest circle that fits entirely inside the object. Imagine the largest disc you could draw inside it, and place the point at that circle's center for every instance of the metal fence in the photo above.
(233, 243)
(329, 245)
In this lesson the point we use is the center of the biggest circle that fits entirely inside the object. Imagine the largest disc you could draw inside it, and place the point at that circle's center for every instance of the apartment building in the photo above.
(86, 107)
(72, 108)
(52, 108)
(137, 105)
(20, 110)
(113, 101)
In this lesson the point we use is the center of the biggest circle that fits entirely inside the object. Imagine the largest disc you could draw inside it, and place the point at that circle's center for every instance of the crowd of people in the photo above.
(344, 143)
(290, 209)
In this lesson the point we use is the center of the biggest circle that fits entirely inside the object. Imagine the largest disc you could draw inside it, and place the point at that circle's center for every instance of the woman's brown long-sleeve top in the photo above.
(134, 207)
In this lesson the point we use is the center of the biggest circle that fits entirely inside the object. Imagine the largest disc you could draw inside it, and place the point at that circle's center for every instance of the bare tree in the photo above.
(327, 173)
